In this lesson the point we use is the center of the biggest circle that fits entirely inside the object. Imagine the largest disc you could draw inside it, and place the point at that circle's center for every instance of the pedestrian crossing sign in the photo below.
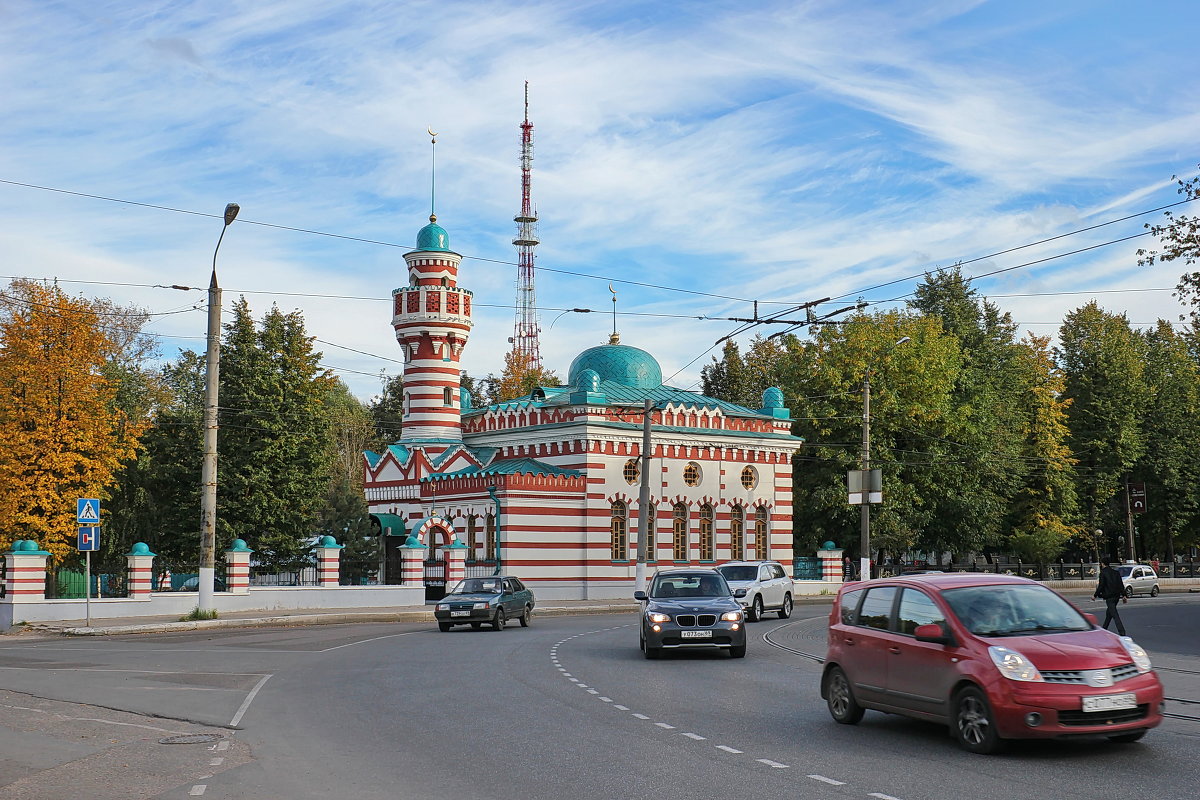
(87, 511)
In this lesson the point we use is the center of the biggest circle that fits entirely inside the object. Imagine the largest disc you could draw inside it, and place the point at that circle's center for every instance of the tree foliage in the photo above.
(63, 432)
(1179, 240)
(518, 379)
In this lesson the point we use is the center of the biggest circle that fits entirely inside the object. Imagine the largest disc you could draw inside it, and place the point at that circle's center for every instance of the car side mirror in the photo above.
(639, 595)
(932, 633)
(1091, 618)
(740, 592)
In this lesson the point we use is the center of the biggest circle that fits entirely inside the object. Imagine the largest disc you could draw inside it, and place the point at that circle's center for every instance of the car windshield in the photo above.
(1013, 610)
(739, 572)
(477, 586)
(690, 586)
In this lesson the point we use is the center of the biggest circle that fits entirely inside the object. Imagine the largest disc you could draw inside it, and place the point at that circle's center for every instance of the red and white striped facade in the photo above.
(560, 470)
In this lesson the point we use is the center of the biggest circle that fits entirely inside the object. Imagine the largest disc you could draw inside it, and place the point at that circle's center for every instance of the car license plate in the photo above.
(696, 634)
(460, 613)
(1109, 702)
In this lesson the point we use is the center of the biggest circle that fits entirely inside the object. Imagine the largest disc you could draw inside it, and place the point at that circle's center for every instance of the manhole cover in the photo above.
(192, 738)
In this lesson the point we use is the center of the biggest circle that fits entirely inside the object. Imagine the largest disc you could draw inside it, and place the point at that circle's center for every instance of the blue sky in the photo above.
(779, 152)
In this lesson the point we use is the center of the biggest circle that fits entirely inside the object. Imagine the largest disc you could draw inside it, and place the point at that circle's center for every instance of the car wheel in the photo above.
(786, 610)
(443, 626)
(1129, 591)
(1126, 738)
(737, 651)
(974, 725)
(1154, 591)
(498, 620)
(525, 615)
(756, 609)
(840, 698)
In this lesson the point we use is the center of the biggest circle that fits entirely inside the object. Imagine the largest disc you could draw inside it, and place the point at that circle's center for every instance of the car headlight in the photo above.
(1013, 665)
(731, 616)
(1141, 658)
(482, 605)
(443, 607)
(658, 616)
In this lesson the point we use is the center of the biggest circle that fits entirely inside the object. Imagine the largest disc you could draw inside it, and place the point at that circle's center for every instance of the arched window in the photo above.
(631, 472)
(707, 550)
(737, 542)
(490, 538)
(749, 478)
(679, 538)
(691, 474)
(652, 533)
(761, 533)
(619, 531)
(472, 538)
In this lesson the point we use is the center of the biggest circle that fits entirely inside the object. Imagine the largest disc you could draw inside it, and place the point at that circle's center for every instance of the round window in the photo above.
(749, 478)
(631, 471)
(691, 474)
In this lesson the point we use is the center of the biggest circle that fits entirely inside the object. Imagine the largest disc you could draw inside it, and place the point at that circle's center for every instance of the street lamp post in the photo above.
(208, 477)
(864, 560)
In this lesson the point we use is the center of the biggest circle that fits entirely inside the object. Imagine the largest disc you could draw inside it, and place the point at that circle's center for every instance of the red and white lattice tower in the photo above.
(525, 330)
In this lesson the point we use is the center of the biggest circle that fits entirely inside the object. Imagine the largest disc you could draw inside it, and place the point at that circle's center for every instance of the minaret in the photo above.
(432, 319)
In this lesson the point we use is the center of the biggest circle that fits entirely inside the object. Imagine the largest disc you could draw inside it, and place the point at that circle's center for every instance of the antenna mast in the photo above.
(525, 330)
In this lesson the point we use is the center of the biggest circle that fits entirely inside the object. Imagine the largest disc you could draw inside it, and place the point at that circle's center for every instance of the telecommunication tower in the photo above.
(525, 330)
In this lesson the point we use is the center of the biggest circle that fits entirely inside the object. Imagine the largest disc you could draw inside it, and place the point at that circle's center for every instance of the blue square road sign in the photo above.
(89, 538)
(87, 511)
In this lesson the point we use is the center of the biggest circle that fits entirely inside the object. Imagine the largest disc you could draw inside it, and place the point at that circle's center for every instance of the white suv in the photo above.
(768, 588)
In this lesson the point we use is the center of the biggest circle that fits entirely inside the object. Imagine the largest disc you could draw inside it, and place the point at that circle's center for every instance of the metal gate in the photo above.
(435, 575)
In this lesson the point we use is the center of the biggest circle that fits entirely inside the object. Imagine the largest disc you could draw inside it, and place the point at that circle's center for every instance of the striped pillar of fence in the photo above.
(412, 562)
(140, 568)
(237, 568)
(456, 563)
(831, 565)
(25, 572)
(329, 557)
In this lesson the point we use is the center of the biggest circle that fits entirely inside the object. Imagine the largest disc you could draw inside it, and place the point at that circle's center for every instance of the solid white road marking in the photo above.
(728, 749)
(774, 764)
(665, 726)
(695, 736)
(364, 641)
(246, 703)
(830, 781)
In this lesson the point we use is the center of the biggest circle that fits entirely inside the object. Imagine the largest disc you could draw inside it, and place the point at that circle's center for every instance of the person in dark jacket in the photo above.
(1110, 589)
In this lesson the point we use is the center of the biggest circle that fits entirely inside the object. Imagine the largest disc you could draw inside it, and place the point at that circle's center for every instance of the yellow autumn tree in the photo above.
(62, 435)
(519, 378)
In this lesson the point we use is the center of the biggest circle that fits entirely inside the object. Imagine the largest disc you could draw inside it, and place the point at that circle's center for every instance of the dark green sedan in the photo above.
(493, 600)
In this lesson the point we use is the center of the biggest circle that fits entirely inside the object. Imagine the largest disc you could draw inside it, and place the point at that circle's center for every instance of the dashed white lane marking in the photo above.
(695, 736)
(223, 745)
(621, 708)
(216, 762)
(198, 789)
(882, 796)
(830, 781)
(777, 765)
(665, 726)
(605, 699)
(728, 749)
(641, 716)
(592, 691)
(574, 680)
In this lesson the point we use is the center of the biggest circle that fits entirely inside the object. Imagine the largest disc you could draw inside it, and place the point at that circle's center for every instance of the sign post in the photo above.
(87, 516)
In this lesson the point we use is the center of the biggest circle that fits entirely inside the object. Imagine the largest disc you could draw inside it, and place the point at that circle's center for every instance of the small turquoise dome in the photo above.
(140, 549)
(27, 546)
(619, 363)
(433, 237)
(328, 541)
(773, 398)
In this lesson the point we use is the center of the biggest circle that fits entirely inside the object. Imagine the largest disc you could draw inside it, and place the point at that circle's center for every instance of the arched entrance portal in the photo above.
(436, 533)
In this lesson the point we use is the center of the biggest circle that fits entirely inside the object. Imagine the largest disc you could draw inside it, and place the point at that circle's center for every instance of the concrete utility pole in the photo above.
(644, 501)
(208, 477)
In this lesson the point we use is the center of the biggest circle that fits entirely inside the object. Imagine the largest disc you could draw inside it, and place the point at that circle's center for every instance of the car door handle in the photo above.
(895, 650)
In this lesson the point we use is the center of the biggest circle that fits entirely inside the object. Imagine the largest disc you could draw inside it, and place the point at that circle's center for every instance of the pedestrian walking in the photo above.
(1110, 589)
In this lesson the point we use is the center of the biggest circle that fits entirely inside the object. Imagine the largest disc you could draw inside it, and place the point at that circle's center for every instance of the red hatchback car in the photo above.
(993, 657)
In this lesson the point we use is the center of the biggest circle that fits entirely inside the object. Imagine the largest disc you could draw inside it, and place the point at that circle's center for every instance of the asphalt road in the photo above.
(567, 708)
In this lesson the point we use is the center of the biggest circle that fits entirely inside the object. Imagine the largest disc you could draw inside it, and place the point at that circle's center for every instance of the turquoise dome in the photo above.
(433, 237)
(619, 363)
(772, 398)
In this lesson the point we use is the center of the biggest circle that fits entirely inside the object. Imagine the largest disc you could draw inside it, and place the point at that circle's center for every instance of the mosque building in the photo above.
(547, 486)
